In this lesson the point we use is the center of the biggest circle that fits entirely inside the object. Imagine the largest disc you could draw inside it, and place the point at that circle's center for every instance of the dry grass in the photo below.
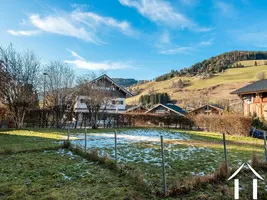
(226, 82)
(257, 164)
(186, 186)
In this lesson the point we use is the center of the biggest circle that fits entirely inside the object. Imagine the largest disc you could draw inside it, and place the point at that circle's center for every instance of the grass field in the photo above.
(30, 170)
(230, 77)
(188, 153)
(32, 165)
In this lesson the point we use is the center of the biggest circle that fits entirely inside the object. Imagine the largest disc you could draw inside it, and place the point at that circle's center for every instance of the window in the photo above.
(82, 100)
(121, 102)
(113, 102)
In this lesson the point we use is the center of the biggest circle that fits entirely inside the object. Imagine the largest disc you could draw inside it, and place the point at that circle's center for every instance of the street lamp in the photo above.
(45, 74)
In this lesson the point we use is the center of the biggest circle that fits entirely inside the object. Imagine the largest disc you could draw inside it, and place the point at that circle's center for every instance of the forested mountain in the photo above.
(125, 82)
(216, 64)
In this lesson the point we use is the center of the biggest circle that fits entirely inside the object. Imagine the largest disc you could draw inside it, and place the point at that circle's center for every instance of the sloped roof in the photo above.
(104, 76)
(211, 105)
(135, 107)
(172, 107)
(258, 86)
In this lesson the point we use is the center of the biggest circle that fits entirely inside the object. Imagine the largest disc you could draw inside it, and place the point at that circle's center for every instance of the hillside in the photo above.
(217, 64)
(198, 90)
(125, 82)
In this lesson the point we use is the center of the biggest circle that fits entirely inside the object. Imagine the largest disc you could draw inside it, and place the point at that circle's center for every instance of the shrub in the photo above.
(259, 123)
(230, 123)
(255, 63)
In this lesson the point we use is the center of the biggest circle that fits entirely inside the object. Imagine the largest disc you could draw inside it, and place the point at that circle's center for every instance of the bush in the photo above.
(259, 123)
(255, 63)
(230, 124)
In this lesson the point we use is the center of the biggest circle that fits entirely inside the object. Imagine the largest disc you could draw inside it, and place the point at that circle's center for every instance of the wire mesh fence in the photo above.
(161, 157)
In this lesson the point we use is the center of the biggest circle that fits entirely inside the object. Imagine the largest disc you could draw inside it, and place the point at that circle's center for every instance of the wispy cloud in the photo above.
(81, 63)
(178, 50)
(166, 46)
(165, 38)
(24, 33)
(162, 12)
(87, 26)
(226, 9)
(159, 11)
(206, 42)
(94, 20)
(74, 54)
(63, 26)
(257, 39)
(189, 2)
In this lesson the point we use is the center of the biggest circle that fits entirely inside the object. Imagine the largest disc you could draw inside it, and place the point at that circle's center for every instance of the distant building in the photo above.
(208, 109)
(117, 95)
(166, 109)
(254, 97)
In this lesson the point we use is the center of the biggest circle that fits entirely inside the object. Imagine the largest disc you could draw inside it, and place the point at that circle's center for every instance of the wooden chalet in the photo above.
(116, 93)
(166, 109)
(208, 109)
(254, 97)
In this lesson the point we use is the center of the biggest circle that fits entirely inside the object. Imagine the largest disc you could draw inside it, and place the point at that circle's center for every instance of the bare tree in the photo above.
(61, 93)
(260, 76)
(97, 97)
(19, 74)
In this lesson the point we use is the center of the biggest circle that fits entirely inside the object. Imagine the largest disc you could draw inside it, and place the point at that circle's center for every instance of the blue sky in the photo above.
(139, 39)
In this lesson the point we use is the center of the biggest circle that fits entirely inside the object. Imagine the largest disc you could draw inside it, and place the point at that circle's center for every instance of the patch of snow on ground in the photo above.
(104, 140)
(65, 177)
(141, 146)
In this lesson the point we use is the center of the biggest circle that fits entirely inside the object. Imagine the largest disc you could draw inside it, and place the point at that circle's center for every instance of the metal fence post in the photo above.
(85, 139)
(68, 133)
(265, 150)
(164, 187)
(116, 156)
(225, 152)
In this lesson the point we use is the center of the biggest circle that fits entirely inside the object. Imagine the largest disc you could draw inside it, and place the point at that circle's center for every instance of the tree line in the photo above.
(216, 64)
(151, 99)
(26, 84)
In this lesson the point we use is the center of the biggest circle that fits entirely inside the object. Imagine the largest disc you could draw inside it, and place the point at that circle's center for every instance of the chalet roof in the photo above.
(217, 107)
(172, 107)
(104, 76)
(258, 86)
(135, 107)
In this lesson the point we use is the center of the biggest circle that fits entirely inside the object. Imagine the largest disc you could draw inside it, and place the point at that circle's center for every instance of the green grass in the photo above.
(29, 171)
(56, 175)
(201, 154)
(17, 143)
(12, 140)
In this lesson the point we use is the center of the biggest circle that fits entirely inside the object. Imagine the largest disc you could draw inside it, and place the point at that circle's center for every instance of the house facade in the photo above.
(208, 109)
(114, 94)
(254, 97)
